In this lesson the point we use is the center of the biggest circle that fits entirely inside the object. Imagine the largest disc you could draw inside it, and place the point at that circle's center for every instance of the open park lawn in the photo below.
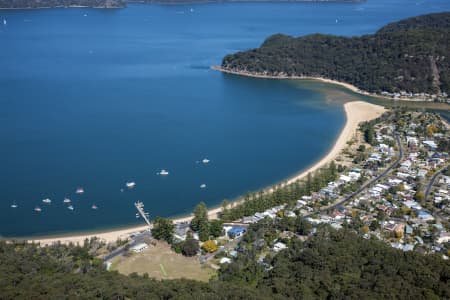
(160, 262)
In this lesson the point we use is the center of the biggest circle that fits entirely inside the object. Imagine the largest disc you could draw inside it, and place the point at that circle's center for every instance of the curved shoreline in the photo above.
(355, 112)
(326, 80)
(348, 86)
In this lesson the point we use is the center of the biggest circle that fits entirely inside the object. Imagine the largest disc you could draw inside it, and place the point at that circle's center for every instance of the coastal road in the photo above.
(139, 238)
(366, 185)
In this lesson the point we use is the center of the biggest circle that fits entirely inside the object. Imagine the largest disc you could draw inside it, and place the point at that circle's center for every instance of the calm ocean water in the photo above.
(95, 98)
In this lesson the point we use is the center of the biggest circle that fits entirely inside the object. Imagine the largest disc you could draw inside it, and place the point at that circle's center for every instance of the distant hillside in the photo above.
(61, 3)
(412, 55)
(23, 4)
(437, 21)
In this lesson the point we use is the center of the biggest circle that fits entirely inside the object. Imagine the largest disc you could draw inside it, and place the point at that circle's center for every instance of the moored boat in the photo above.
(131, 184)
(163, 172)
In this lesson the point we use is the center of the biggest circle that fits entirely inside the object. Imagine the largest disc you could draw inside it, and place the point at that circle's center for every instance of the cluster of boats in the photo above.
(128, 184)
(67, 201)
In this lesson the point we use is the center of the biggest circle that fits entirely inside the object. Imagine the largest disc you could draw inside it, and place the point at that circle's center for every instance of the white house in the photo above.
(406, 164)
(279, 246)
(345, 178)
(139, 247)
(430, 144)
(225, 260)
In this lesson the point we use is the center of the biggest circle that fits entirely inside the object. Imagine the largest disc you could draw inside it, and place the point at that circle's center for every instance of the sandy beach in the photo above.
(356, 112)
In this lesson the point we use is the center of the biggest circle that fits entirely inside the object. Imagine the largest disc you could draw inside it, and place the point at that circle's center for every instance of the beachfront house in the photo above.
(181, 230)
(249, 220)
(139, 247)
(234, 232)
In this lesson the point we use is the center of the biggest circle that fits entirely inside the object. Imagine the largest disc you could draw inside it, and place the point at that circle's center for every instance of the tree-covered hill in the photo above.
(330, 265)
(412, 55)
(437, 21)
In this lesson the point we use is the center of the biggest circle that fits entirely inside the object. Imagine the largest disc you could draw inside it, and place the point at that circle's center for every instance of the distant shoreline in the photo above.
(52, 7)
(355, 112)
(181, 2)
(322, 79)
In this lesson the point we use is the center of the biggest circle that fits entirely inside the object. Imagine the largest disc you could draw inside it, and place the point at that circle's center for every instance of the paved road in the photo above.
(431, 182)
(140, 238)
(366, 185)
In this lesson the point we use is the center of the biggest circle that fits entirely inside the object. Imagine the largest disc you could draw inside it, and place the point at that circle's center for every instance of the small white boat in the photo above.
(205, 161)
(47, 201)
(131, 184)
(38, 209)
(94, 206)
(202, 186)
(67, 200)
(137, 216)
(4, 21)
(14, 205)
(70, 207)
(163, 172)
(85, 15)
(79, 190)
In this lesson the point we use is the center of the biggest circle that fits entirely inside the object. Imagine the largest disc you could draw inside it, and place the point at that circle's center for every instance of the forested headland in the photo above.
(329, 265)
(410, 56)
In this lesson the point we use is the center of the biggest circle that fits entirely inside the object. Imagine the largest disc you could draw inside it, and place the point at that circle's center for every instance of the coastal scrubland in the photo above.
(331, 264)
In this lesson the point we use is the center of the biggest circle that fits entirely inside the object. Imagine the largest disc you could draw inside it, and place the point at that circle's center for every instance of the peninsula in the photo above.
(406, 59)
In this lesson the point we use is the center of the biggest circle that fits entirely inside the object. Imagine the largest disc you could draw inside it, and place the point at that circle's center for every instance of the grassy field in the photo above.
(161, 262)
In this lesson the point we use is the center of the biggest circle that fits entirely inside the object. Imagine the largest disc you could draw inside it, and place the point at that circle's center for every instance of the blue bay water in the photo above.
(96, 98)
